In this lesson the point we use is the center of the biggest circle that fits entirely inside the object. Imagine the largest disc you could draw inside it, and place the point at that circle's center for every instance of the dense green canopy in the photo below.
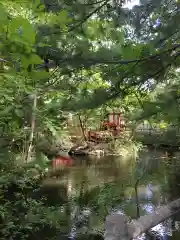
(79, 55)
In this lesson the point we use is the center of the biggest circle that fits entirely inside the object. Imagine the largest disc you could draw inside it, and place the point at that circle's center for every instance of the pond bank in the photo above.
(115, 148)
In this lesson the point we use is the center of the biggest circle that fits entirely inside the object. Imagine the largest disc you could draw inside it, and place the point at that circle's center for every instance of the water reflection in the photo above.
(98, 186)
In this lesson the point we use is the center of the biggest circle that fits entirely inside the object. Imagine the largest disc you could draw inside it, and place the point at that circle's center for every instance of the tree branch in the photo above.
(84, 61)
(83, 21)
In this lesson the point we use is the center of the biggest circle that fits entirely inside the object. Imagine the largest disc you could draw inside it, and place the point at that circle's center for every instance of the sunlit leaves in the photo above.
(39, 75)
(3, 19)
(21, 30)
(37, 6)
(62, 19)
(137, 51)
(3, 14)
(101, 31)
(95, 30)
(32, 59)
(95, 81)
(35, 59)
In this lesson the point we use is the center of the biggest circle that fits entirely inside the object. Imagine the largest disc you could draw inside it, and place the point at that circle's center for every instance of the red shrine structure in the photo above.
(113, 125)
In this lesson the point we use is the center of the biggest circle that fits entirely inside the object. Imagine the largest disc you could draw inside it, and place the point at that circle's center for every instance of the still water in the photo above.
(92, 187)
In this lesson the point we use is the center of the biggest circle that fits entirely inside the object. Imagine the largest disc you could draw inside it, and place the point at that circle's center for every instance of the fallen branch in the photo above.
(118, 227)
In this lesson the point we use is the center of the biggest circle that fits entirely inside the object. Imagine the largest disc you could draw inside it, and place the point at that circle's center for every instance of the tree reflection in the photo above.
(174, 189)
(95, 187)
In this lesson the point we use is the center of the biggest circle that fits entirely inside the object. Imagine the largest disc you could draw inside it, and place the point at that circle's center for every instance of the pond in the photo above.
(92, 187)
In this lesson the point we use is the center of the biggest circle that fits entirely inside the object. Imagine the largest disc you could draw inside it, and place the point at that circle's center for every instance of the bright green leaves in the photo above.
(22, 38)
(20, 30)
(19, 41)
(33, 59)
(40, 75)
(37, 6)
(138, 51)
(24, 62)
(3, 14)
(131, 52)
(3, 19)
(94, 29)
(100, 30)
(95, 82)
(62, 19)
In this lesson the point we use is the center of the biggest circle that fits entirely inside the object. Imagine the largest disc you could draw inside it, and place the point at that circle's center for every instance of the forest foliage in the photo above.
(60, 59)
(83, 57)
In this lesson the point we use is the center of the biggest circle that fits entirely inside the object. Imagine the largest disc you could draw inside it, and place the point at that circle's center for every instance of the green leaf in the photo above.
(3, 19)
(6, 111)
(40, 8)
(19, 112)
(63, 18)
(40, 75)
(3, 14)
(35, 59)
(24, 62)
(36, 4)
(50, 126)
(121, 36)
(32, 59)
(21, 30)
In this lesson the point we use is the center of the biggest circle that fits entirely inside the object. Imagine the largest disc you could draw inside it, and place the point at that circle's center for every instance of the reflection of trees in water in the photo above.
(99, 185)
(171, 176)
(148, 203)
(97, 172)
(95, 186)
(174, 189)
(112, 166)
(174, 177)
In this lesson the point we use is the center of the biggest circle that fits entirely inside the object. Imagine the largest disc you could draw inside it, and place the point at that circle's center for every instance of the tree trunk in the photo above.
(33, 121)
(118, 227)
(82, 127)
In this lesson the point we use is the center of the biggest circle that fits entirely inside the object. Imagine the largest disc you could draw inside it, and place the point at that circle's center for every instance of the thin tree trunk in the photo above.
(33, 123)
(136, 191)
(82, 127)
(137, 199)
